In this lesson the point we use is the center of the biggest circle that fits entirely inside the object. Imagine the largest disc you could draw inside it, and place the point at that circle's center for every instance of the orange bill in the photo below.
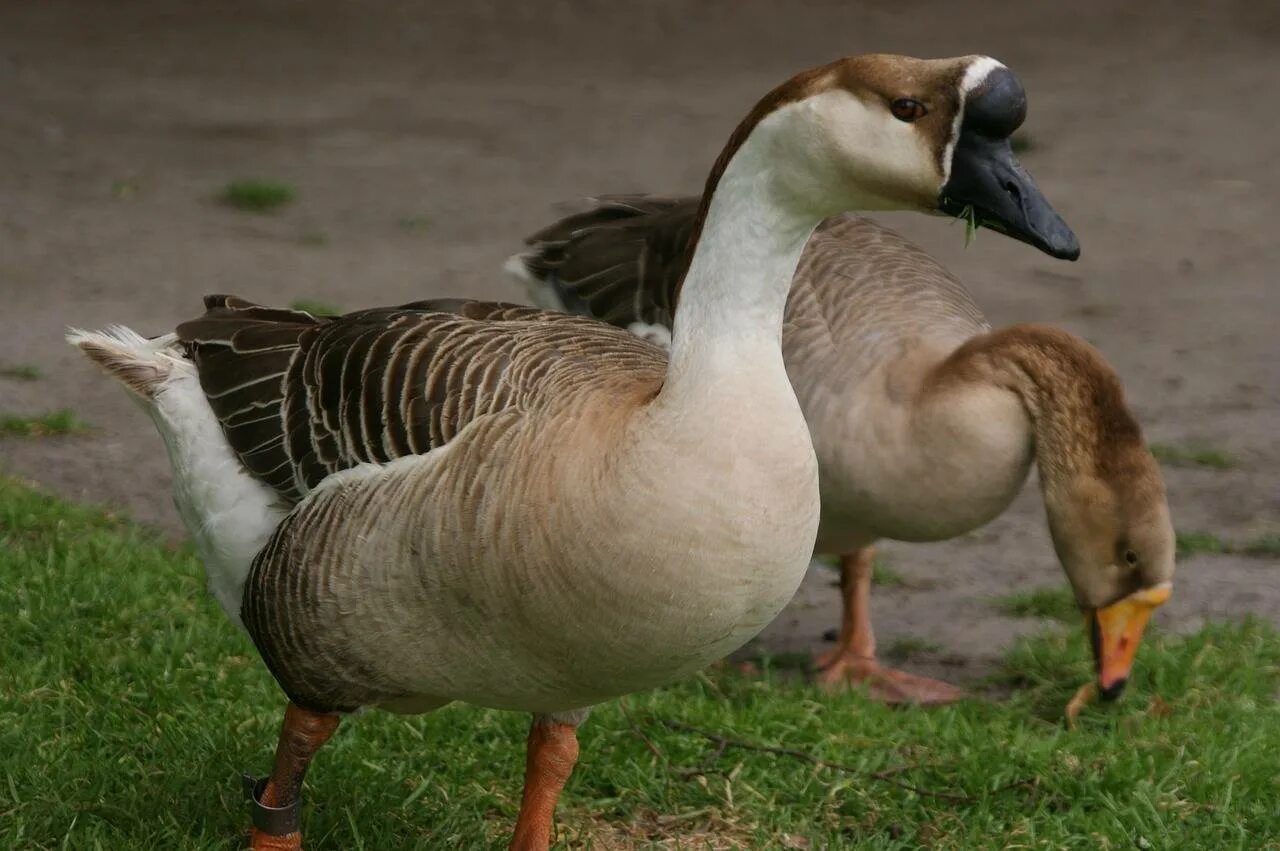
(1116, 631)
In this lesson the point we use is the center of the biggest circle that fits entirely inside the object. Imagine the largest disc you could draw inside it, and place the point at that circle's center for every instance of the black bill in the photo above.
(988, 183)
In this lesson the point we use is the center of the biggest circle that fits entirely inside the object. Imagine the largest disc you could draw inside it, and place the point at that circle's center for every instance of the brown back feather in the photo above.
(301, 397)
(620, 261)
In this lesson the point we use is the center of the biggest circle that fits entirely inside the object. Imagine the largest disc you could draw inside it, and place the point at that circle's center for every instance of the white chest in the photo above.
(621, 574)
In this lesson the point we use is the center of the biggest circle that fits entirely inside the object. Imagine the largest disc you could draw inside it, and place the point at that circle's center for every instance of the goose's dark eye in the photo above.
(1131, 558)
(907, 109)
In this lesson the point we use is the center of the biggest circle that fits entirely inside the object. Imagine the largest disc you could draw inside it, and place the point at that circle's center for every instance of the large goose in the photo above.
(453, 500)
(924, 421)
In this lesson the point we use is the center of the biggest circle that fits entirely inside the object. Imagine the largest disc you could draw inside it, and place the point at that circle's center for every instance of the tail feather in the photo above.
(539, 269)
(142, 365)
(541, 285)
(621, 261)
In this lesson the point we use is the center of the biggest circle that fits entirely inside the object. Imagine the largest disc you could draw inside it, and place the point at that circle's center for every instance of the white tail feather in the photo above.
(540, 292)
(229, 514)
(140, 364)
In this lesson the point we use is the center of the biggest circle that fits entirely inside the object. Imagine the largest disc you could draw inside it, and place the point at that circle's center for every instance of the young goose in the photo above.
(924, 421)
(386, 501)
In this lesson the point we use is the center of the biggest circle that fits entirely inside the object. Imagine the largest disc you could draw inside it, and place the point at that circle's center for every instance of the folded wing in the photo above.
(301, 397)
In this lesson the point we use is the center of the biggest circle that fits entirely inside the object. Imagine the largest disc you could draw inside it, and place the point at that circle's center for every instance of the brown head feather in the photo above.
(871, 77)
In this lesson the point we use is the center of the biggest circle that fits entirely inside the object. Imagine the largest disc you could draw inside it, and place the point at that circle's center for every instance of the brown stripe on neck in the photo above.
(1073, 396)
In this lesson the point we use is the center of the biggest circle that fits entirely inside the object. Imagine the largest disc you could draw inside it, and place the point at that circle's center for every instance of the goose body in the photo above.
(869, 318)
(925, 422)
(447, 564)
(407, 590)
(521, 509)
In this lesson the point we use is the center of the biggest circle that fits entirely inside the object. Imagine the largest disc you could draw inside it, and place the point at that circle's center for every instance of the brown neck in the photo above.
(1072, 395)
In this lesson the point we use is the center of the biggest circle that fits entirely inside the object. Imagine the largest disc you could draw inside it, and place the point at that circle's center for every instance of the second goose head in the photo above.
(1104, 497)
(893, 132)
(1110, 525)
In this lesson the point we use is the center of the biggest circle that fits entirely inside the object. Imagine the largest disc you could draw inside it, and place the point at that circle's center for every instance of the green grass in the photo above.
(1191, 543)
(414, 223)
(1193, 455)
(883, 574)
(314, 307)
(257, 196)
(970, 217)
(905, 648)
(1054, 603)
(124, 190)
(1266, 545)
(128, 705)
(53, 424)
(20, 372)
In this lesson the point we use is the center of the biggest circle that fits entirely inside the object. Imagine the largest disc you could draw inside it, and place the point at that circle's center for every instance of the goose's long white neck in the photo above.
(731, 305)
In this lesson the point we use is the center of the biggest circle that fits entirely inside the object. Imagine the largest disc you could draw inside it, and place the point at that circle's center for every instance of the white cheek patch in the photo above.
(889, 154)
(973, 77)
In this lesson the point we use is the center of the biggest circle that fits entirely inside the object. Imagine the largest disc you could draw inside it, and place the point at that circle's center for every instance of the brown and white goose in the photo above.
(924, 420)
(386, 501)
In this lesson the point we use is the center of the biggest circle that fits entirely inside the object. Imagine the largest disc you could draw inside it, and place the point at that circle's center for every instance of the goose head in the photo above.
(883, 132)
(1112, 532)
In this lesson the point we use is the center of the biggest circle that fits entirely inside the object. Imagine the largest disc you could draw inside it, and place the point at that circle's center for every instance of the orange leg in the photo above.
(552, 752)
(276, 801)
(853, 660)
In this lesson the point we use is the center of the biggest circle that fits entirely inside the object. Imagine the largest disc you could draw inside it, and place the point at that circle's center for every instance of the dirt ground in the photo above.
(426, 139)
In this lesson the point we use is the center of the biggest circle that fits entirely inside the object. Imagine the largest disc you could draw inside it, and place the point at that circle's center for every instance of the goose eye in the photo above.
(907, 109)
(1131, 558)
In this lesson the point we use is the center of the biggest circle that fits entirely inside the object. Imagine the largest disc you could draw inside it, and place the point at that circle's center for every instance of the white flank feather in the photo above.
(229, 514)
